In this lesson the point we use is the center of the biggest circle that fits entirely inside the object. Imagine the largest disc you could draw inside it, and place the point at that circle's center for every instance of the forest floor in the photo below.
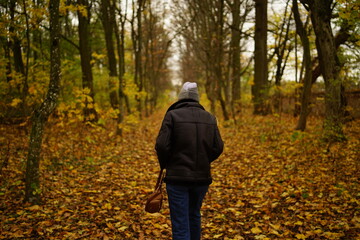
(271, 182)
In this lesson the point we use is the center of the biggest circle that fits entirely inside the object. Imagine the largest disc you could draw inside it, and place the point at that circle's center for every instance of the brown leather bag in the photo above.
(154, 201)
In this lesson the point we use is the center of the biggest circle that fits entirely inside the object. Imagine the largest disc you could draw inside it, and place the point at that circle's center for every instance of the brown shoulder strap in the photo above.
(160, 179)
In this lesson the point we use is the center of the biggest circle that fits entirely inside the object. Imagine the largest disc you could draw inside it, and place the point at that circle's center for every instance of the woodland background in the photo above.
(84, 86)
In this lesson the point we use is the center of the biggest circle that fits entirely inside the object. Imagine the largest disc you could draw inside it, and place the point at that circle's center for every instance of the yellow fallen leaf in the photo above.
(34, 208)
(299, 223)
(256, 230)
(218, 235)
(123, 228)
(331, 235)
(107, 206)
(238, 237)
(274, 232)
(300, 236)
(262, 237)
(275, 226)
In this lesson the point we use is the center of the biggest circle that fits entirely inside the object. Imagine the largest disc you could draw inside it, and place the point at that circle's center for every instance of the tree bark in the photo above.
(282, 56)
(40, 116)
(90, 113)
(136, 35)
(120, 43)
(6, 45)
(341, 37)
(155, 53)
(235, 57)
(15, 43)
(26, 70)
(260, 87)
(281, 48)
(306, 90)
(219, 59)
(320, 12)
(108, 25)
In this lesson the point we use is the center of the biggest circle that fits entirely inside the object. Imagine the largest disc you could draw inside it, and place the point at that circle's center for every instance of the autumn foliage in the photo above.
(270, 183)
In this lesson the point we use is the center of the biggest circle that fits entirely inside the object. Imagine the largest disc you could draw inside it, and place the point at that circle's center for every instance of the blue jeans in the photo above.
(185, 203)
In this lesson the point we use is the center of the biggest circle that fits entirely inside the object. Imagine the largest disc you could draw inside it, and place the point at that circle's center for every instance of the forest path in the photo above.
(270, 183)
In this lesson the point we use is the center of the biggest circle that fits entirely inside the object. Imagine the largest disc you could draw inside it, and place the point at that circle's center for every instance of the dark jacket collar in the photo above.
(185, 103)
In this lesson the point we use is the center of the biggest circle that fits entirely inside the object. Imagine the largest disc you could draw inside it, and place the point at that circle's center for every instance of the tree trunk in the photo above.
(218, 60)
(210, 89)
(18, 62)
(341, 37)
(120, 43)
(108, 25)
(37, 35)
(306, 90)
(260, 87)
(6, 43)
(90, 113)
(136, 35)
(26, 70)
(15, 43)
(40, 116)
(235, 57)
(321, 11)
(281, 47)
(282, 57)
(8, 60)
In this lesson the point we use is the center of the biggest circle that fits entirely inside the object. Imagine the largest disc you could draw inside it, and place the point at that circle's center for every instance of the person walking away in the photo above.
(188, 142)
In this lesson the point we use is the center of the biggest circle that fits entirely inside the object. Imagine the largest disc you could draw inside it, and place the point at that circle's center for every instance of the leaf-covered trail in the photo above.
(93, 185)
(270, 183)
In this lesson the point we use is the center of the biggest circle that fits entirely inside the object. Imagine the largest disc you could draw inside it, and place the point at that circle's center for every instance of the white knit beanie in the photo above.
(189, 91)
